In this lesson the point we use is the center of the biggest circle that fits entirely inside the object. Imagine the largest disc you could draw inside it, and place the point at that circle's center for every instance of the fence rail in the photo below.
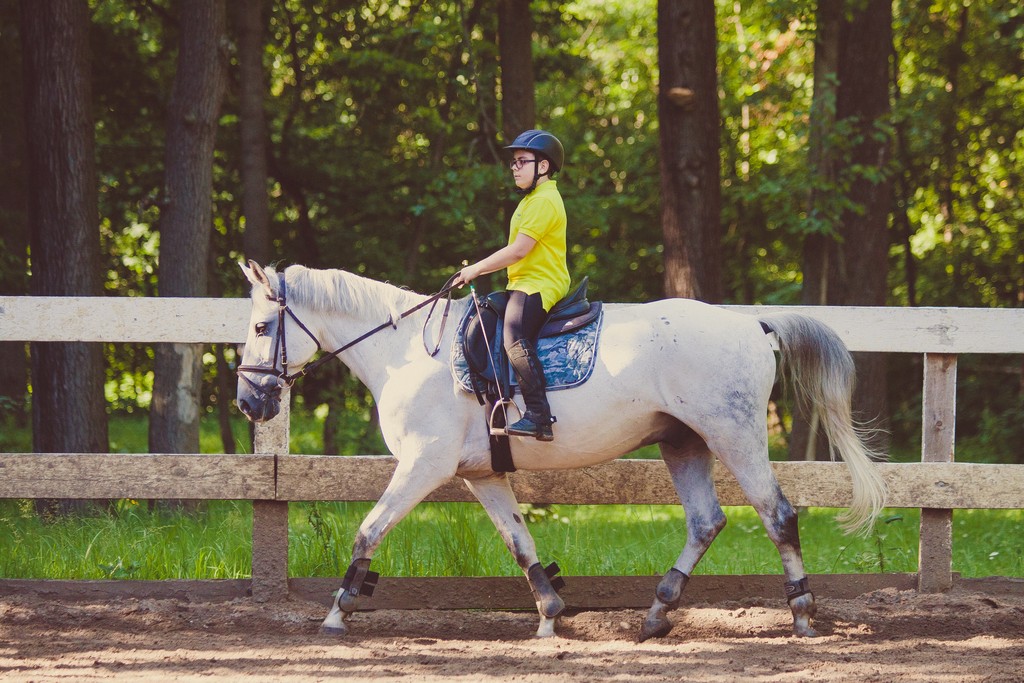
(363, 478)
(271, 477)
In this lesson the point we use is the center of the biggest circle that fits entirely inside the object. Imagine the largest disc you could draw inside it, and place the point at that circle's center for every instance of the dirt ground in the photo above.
(886, 635)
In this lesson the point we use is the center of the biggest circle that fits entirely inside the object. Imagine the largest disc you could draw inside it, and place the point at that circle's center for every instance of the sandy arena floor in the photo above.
(886, 635)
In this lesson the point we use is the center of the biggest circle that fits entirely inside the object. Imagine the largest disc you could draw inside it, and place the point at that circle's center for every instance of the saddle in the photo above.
(483, 359)
(568, 315)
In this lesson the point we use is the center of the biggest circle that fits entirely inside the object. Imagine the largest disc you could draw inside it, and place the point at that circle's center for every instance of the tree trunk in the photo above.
(487, 86)
(954, 57)
(518, 100)
(864, 264)
(187, 217)
(225, 391)
(821, 157)
(852, 270)
(335, 407)
(225, 386)
(689, 140)
(68, 406)
(252, 128)
(903, 185)
(515, 51)
(820, 248)
(14, 218)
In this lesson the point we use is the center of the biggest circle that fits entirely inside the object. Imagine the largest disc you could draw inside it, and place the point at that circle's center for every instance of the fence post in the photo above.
(270, 517)
(938, 431)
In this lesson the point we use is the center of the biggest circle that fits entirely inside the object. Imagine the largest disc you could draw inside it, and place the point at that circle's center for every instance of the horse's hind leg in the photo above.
(754, 474)
(495, 494)
(690, 468)
(780, 521)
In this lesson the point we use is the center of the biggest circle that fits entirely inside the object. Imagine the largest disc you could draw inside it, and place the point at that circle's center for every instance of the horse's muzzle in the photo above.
(260, 411)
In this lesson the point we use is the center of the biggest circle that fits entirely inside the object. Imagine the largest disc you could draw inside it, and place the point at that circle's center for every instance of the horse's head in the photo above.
(277, 345)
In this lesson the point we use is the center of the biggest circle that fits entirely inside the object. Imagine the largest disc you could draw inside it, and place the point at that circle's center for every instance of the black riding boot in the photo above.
(522, 356)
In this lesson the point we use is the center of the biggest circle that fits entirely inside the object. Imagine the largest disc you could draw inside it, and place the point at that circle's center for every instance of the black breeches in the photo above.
(524, 316)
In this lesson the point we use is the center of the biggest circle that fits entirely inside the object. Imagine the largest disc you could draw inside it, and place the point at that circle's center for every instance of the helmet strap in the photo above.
(536, 176)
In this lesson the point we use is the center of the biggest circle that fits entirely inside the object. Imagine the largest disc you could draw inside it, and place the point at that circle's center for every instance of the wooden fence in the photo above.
(271, 477)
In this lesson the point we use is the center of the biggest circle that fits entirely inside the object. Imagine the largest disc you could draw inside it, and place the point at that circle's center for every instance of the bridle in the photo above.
(285, 380)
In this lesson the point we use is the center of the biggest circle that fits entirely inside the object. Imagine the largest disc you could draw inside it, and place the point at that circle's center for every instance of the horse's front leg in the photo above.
(495, 494)
(408, 486)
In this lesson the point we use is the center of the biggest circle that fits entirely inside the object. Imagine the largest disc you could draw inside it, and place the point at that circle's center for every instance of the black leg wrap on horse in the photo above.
(359, 580)
(546, 575)
(670, 588)
(542, 578)
(794, 589)
(557, 582)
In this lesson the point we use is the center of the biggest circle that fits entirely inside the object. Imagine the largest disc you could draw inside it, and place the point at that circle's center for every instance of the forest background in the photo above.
(848, 153)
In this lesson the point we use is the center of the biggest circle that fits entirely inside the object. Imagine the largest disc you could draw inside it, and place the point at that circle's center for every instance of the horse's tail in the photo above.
(822, 372)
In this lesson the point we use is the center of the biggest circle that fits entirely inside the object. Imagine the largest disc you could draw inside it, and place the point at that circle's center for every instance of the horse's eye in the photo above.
(261, 329)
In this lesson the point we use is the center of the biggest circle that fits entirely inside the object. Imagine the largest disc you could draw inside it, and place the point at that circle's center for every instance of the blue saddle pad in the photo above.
(568, 359)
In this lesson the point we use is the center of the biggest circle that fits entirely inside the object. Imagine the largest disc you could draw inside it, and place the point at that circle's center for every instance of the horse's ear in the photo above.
(255, 274)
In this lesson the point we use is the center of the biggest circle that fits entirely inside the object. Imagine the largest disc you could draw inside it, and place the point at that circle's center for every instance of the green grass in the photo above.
(457, 539)
(129, 542)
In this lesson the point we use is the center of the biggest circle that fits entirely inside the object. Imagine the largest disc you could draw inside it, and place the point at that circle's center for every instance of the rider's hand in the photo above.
(466, 275)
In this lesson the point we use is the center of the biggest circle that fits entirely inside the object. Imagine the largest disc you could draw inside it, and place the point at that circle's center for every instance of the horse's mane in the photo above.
(326, 291)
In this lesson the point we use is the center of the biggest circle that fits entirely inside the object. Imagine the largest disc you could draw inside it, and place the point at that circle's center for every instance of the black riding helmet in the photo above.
(543, 143)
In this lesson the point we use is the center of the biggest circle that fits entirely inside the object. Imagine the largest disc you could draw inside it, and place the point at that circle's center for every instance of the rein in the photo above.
(280, 343)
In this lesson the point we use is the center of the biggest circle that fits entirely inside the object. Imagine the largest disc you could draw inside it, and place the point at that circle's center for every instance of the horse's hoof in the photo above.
(802, 628)
(655, 628)
(546, 628)
(334, 630)
(334, 624)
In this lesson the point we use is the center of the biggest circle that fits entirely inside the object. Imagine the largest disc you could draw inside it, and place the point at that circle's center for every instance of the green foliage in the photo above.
(601, 101)
(960, 96)
(766, 96)
(382, 162)
(988, 410)
(14, 437)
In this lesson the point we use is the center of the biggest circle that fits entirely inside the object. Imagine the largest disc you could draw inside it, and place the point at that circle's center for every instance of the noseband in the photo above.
(284, 380)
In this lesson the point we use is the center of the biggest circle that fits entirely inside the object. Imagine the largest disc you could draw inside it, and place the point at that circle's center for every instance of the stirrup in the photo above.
(502, 431)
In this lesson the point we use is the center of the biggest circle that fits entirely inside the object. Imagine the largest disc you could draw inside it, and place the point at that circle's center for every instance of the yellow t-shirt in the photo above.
(541, 215)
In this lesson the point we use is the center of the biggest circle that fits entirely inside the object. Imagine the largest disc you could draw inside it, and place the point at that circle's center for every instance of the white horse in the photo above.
(691, 377)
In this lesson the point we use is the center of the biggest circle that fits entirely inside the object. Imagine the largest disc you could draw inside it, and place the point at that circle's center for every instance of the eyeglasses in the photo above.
(517, 164)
